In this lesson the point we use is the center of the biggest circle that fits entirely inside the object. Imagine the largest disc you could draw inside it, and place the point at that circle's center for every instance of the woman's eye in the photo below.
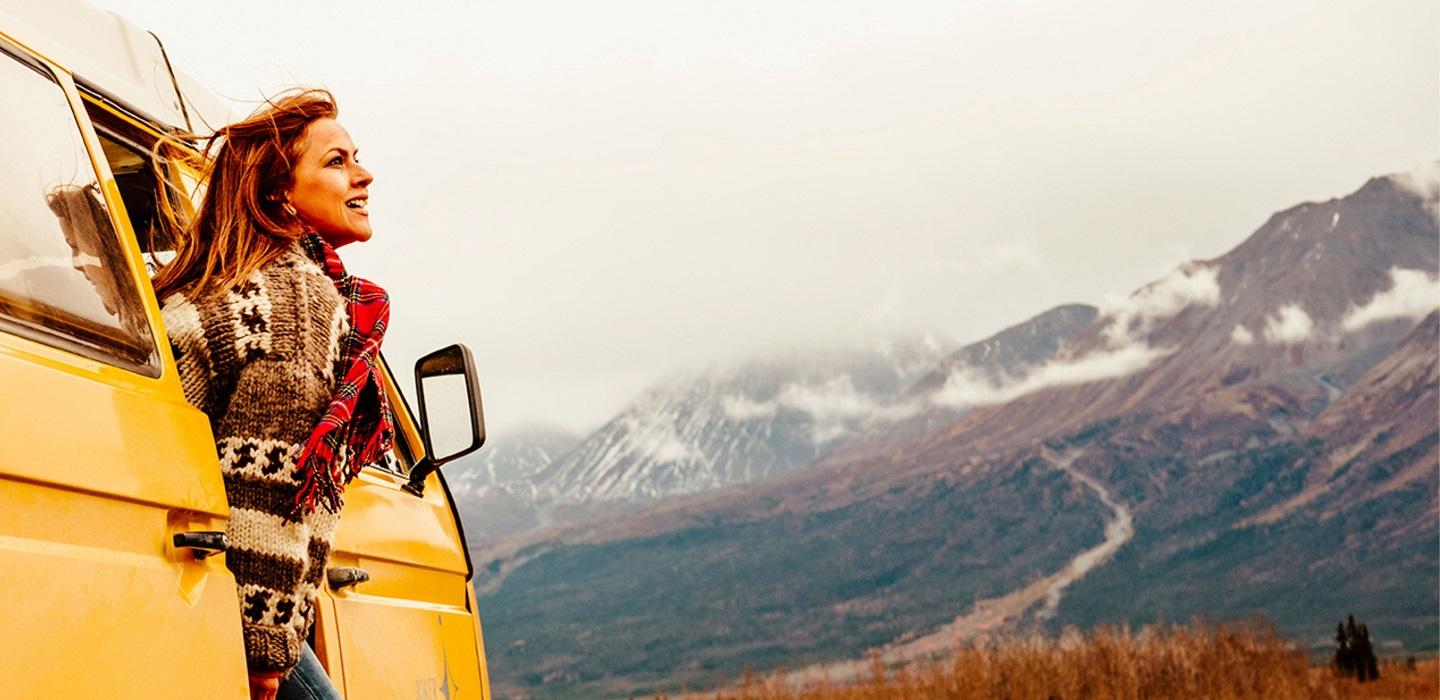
(337, 160)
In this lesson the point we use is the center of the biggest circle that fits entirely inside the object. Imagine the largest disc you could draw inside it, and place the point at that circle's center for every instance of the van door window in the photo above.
(64, 279)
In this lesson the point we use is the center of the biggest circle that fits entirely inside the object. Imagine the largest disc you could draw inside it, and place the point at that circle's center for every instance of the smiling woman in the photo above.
(279, 346)
(330, 191)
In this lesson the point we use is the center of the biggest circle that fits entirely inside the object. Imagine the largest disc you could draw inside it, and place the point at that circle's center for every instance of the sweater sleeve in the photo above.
(186, 329)
(267, 398)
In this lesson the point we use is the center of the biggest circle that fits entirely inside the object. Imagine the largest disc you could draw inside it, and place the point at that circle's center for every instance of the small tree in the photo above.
(1354, 654)
(1344, 658)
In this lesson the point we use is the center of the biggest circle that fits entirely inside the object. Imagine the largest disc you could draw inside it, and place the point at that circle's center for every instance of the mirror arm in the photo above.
(418, 473)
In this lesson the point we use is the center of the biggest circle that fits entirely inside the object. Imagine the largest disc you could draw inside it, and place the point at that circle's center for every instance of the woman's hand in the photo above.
(263, 686)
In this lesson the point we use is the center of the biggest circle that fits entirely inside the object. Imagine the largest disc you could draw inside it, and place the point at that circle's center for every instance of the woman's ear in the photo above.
(284, 199)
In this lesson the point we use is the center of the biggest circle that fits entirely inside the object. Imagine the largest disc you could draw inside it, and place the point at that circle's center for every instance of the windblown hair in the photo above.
(244, 169)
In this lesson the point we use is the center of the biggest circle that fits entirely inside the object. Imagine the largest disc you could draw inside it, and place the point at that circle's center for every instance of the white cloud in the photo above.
(835, 408)
(1131, 316)
(891, 413)
(964, 388)
(1423, 181)
(1412, 294)
(667, 447)
(834, 400)
(1290, 324)
(742, 409)
(821, 433)
(1127, 353)
(654, 435)
(1241, 335)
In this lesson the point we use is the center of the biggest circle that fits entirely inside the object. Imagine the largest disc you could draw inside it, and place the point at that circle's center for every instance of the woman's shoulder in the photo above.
(271, 310)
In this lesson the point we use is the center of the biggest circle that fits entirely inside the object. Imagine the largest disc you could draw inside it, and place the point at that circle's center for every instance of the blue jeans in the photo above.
(307, 681)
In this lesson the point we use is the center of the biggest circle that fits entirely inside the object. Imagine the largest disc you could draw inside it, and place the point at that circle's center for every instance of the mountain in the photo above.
(699, 431)
(1254, 433)
(755, 421)
(739, 424)
(510, 457)
(1279, 302)
(490, 486)
(974, 374)
(1339, 515)
(1011, 353)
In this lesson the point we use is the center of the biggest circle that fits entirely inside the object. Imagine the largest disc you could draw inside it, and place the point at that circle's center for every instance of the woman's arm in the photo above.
(269, 341)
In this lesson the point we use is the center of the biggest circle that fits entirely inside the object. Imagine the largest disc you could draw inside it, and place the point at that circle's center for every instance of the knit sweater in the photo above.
(262, 361)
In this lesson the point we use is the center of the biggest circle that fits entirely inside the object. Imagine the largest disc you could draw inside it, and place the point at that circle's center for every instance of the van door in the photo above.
(409, 629)
(102, 462)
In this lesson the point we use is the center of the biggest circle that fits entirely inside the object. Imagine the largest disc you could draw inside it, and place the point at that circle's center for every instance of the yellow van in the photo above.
(111, 501)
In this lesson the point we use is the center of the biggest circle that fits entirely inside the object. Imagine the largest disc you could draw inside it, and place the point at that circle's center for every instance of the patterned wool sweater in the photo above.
(262, 362)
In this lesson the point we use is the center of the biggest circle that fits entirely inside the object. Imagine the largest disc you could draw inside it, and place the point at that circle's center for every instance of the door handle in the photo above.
(203, 543)
(342, 576)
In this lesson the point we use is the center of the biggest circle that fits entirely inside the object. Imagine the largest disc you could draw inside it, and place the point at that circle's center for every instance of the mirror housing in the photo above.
(450, 363)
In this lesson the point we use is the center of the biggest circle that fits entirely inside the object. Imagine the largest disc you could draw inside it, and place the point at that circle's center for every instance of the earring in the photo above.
(290, 209)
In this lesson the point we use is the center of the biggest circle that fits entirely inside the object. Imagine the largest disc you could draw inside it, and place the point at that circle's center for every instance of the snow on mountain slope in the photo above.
(510, 458)
(739, 424)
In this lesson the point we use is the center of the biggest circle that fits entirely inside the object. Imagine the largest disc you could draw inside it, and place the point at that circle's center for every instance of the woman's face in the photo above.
(330, 194)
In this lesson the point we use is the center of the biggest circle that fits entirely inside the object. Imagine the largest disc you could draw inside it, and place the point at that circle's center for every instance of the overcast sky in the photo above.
(595, 195)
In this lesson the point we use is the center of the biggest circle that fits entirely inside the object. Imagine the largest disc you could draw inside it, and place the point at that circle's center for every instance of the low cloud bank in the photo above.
(1288, 326)
(964, 388)
(835, 407)
(655, 436)
(1131, 317)
(1423, 182)
(1412, 294)
(1127, 351)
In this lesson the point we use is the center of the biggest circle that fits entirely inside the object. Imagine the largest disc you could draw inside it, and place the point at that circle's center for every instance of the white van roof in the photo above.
(115, 58)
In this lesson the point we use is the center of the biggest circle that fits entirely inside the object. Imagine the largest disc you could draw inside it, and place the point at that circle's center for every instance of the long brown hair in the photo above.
(241, 222)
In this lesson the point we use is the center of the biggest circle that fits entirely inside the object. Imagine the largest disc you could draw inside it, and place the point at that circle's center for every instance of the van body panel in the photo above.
(380, 521)
(393, 650)
(109, 610)
(82, 428)
(409, 631)
(103, 466)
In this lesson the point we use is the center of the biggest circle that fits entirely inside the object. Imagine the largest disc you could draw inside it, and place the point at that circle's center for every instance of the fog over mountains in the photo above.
(740, 424)
(1254, 433)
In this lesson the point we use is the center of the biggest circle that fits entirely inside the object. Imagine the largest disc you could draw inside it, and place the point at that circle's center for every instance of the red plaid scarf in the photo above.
(358, 423)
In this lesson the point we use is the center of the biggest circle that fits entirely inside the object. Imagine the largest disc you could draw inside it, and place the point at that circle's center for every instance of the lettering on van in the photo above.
(444, 686)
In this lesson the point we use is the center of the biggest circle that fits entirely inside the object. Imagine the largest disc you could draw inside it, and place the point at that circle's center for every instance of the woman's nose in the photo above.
(362, 176)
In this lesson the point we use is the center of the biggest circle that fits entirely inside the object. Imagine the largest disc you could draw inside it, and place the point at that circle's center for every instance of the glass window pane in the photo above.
(64, 279)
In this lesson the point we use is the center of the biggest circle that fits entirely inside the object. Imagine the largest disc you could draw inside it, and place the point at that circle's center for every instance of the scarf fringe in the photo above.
(358, 423)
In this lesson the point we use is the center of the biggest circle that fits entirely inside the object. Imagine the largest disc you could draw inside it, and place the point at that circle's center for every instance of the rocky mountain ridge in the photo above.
(1265, 419)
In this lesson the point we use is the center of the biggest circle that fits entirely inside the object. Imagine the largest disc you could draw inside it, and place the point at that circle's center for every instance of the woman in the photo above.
(279, 346)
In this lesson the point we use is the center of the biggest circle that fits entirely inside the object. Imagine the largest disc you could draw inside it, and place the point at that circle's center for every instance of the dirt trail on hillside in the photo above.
(992, 616)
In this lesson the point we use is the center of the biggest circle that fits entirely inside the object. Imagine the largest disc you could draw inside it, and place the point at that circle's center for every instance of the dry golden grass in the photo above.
(1111, 664)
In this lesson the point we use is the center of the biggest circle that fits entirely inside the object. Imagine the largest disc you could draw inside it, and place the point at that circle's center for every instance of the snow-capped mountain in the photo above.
(510, 458)
(739, 424)
(746, 423)
(493, 488)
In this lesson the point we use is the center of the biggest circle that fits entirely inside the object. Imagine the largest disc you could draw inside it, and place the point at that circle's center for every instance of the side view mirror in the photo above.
(448, 392)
